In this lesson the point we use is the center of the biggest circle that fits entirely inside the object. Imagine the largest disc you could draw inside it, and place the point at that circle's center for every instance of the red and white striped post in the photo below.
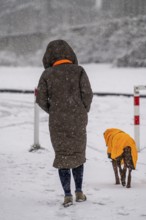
(136, 117)
(137, 114)
(36, 144)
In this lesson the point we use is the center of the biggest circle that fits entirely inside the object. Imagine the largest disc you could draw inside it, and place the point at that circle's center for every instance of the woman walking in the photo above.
(64, 92)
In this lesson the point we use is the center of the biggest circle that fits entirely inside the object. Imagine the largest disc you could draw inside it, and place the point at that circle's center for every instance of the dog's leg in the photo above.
(128, 163)
(115, 168)
(129, 179)
(123, 176)
(119, 160)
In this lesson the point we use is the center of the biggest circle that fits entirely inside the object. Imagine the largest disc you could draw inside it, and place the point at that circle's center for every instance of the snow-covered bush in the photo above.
(112, 41)
(120, 41)
(136, 57)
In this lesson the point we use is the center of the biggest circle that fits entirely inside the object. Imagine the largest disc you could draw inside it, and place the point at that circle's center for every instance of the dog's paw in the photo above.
(123, 183)
(117, 182)
(128, 186)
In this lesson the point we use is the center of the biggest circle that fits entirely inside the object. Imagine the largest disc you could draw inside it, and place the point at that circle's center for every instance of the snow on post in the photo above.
(137, 114)
(36, 144)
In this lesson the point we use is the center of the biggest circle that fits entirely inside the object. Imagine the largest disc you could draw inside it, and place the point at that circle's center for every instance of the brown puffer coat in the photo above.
(65, 93)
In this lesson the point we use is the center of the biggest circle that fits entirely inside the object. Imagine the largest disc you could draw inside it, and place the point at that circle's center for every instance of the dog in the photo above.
(122, 150)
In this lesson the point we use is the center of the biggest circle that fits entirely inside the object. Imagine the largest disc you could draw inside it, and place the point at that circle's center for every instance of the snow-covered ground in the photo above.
(104, 78)
(29, 185)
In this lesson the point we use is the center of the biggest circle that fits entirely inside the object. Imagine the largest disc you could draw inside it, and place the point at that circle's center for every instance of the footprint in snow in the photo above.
(123, 212)
(103, 201)
(49, 190)
(49, 173)
(99, 203)
(96, 189)
(42, 167)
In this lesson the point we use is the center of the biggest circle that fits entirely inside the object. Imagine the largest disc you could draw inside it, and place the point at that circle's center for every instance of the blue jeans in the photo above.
(65, 178)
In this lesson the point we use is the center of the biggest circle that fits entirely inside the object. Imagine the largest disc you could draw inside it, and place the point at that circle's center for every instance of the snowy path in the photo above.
(29, 185)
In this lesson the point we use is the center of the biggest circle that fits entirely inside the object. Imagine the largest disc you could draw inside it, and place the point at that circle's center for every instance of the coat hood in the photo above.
(58, 50)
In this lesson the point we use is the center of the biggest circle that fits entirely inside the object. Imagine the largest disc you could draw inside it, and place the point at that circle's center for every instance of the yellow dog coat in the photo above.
(116, 140)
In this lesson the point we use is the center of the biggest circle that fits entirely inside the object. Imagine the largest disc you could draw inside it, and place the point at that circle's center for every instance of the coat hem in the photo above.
(68, 166)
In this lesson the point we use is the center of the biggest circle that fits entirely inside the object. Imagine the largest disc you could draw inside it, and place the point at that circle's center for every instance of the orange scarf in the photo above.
(61, 62)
